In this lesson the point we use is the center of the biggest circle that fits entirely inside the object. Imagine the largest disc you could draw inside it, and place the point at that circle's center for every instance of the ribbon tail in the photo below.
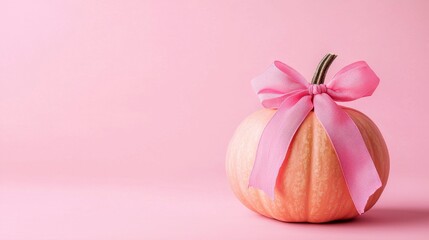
(359, 171)
(275, 141)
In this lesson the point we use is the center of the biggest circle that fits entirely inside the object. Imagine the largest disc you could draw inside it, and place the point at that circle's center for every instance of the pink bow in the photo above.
(283, 88)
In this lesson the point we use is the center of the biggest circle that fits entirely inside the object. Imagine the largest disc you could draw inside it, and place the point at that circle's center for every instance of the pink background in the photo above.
(115, 115)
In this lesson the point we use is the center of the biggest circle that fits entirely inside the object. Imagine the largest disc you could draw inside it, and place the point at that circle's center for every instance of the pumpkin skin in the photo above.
(310, 186)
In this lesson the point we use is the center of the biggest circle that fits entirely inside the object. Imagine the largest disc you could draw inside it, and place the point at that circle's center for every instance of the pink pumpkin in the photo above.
(310, 185)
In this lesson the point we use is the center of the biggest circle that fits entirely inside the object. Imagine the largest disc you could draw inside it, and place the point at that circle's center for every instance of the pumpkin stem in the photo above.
(322, 69)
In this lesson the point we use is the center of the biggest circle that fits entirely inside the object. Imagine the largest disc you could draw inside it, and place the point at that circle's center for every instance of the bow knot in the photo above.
(314, 89)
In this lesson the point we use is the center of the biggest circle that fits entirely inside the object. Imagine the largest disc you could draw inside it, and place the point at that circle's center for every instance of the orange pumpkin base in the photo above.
(310, 186)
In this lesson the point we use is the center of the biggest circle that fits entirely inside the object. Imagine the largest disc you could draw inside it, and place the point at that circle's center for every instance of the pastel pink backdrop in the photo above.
(115, 115)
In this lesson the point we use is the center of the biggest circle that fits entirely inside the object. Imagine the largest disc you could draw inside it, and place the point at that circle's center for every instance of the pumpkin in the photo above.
(310, 186)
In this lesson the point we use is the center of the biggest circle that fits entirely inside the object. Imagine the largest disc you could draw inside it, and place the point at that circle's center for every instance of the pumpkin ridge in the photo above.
(312, 153)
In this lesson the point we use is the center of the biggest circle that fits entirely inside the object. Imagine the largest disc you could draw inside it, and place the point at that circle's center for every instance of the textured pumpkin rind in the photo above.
(310, 186)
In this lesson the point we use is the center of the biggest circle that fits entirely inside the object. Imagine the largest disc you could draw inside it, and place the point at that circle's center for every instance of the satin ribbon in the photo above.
(281, 87)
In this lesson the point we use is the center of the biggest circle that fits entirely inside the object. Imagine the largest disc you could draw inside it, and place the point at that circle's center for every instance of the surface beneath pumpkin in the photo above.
(187, 211)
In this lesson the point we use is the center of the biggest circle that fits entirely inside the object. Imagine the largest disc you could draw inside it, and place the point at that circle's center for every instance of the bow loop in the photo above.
(352, 82)
(277, 83)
